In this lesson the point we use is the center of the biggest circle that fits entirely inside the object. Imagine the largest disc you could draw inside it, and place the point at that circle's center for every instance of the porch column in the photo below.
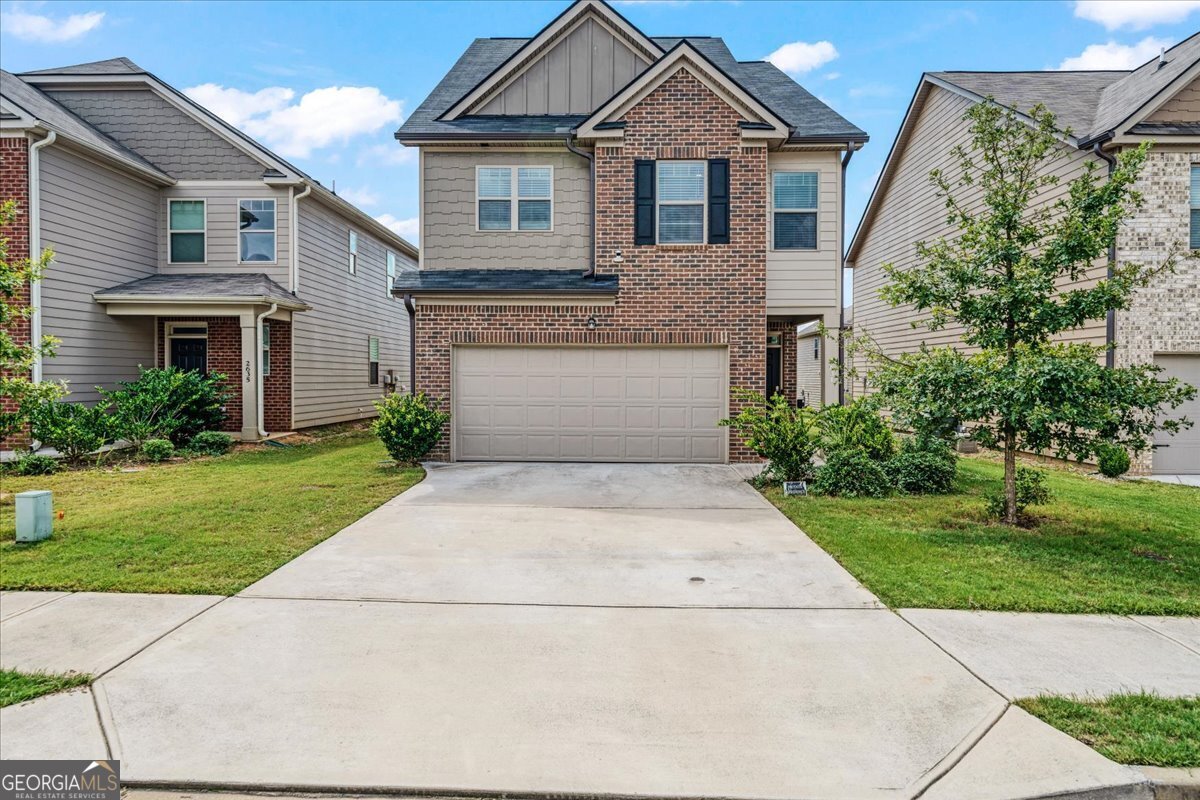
(249, 377)
(829, 351)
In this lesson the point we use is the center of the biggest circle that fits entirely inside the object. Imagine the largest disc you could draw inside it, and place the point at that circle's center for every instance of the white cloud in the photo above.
(408, 228)
(1112, 55)
(322, 117)
(1134, 14)
(872, 90)
(360, 197)
(800, 57)
(40, 28)
(831, 76)
(392, 155)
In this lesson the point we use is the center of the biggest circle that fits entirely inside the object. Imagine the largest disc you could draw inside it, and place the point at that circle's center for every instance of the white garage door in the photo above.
(1181, 455)
(589, 403)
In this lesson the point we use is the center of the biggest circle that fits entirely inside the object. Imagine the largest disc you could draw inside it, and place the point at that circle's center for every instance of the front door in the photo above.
(774, 371)
(190, 354)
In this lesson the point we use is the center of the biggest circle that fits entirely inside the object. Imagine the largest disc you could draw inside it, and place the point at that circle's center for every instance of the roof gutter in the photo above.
(841, 351)
(411, 308)
(590, 272)
(35, 251)
(293, 234)
(1110, 322)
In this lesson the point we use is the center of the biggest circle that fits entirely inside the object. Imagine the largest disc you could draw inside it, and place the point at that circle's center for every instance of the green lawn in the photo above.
(17, 687)
(211, 526)
(1129, 729)
(1113, 547)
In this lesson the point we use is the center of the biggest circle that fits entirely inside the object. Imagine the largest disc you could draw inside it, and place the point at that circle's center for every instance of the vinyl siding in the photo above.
(910, 211)
(101, 226)
(809, 369)
(329, 343)
(805, 279)
(222, 230)
(450, 241)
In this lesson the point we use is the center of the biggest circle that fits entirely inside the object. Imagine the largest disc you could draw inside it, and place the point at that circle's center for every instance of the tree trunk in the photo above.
(1010, 476)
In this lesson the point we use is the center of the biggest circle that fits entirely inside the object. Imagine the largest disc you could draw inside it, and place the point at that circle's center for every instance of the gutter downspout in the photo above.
(842, 282)
(258, 334)
(294, 235)
(35, 248)
(412, 343)
(1110, 323)
(591, 159)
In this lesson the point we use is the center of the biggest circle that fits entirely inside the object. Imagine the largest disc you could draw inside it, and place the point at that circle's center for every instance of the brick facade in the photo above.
(277, 387)
(14, 185)
(224, 356)
(690, 294)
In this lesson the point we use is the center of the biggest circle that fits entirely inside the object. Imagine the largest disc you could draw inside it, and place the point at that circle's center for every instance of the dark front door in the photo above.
(190, 354)
(774, 371)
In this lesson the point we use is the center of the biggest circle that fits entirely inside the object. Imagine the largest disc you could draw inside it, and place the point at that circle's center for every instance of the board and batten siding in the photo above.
(802, 281)
(448, 215)
(329, 343)
(910, 211)
(102, 228)
(222, 229)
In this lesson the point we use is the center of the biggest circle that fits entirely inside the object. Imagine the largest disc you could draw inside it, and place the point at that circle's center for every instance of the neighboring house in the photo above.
(811, 365)
(1106, 112)
(180, 241)
(617, 231)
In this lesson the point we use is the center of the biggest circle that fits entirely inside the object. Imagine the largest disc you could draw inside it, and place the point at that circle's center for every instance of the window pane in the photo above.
(533, 182)
(1195, 237)
(681, 224)
(187, 215)
(495, 182)
(257, 215)
(795, 190)
(1196, 187)
(533, 215)
(373, 348)
(495, 215)
(681, 180)
(258, 246)
(187, 248)
(795, 231)
(353, 242)
(391, 265)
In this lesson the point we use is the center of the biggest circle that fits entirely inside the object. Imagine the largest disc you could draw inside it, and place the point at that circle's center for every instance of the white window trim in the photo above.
(514, 199)
(352, 251)
(390, 268)
(170, 230)
(264, 358)
(274, 231)
(702, 202)
(171, 334)
(816, 212)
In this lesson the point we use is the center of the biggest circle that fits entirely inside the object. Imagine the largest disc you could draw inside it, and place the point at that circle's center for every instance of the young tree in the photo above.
(19, 394)
(1000, 278)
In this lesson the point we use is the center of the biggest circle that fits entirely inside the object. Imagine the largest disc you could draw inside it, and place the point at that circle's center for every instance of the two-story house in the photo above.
(617, 232)
(1101, 113)
(180, 241)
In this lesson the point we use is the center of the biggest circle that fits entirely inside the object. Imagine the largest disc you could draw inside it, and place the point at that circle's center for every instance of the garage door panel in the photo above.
(1179, 454)
(589, 403)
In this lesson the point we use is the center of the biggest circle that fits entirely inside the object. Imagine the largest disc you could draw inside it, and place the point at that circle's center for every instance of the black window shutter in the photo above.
(718, 201)
(643, 192)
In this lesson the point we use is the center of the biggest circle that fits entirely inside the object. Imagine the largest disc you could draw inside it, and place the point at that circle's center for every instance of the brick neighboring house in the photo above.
(1106, 112)
(618, 231)
(179, 240)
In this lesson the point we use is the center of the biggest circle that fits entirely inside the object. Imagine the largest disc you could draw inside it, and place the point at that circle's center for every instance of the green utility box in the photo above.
(35, 516)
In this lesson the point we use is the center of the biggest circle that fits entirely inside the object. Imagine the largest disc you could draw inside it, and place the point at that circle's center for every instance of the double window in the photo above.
(681, 193)
(256, 231)
(187, 231)
(1194, 238)
(514, 198)
(794, 206)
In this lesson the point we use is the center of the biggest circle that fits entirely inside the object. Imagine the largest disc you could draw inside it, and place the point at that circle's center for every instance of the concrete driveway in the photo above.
(572, 629)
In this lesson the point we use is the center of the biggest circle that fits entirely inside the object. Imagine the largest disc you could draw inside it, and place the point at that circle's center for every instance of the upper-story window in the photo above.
(1195, 222)
(352, 248)
(391, 273)
(187, 226)
(680, 202)
(514, 198)
(256, 231)
(794, 207)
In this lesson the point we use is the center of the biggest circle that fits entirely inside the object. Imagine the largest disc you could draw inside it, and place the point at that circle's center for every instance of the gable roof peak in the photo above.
(109, 66)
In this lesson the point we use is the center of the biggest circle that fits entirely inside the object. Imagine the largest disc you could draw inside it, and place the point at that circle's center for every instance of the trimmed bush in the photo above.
(75, 430)
(409, 426)
(852, 473)
(210, 443)
(168, 403)
(34, 464)
(157, 449)
(776, 430)
(922, 472)
(857, 426)
(1031, 491)
(1113, 461)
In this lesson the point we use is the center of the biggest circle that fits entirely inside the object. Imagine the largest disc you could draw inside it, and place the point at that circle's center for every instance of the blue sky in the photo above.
(326, 84)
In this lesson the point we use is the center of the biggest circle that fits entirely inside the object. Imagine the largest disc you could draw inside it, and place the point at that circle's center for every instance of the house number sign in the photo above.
(248, 371)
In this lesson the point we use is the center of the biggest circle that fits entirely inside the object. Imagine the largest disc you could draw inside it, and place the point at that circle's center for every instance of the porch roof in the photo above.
(503, 281)
(251, 288)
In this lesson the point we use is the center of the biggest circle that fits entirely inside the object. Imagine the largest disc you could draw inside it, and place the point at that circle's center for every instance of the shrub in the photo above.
(157, 449)
(210, 443)
(852, 473)
(34, 464)
(922, 471)
(857, 426)
(774, 429)
(1031, 491)
(73, 429)
(409, 426)
(1113, 461)
(168, 403)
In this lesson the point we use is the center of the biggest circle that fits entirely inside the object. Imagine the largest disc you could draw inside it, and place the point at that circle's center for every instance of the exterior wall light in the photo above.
(591, 323)
(618, 258)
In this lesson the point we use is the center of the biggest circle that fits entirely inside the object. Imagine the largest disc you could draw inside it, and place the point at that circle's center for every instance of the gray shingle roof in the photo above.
(1125, 97)
(244, 287)
(809, 116)
(108, 66)
(503, 281)
(1072, 96)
